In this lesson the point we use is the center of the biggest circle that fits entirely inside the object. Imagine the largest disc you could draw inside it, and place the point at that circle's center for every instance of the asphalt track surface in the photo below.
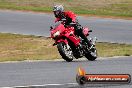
(106, 30)
(60, 74)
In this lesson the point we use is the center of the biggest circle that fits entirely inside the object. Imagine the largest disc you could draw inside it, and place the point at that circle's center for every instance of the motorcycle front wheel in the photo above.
(65, 51)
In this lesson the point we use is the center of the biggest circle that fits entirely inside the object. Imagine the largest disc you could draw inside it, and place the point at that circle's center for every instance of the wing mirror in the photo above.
(90, 31)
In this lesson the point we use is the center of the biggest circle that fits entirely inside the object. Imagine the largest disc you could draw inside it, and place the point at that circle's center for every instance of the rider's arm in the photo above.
(70, 17)
(57, 19)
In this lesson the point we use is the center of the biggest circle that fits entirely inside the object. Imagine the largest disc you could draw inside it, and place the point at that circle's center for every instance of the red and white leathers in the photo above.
(69, 16)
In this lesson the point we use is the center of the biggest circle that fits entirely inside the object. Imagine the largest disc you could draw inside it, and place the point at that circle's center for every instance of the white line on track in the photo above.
(41, 85)
(81, 59)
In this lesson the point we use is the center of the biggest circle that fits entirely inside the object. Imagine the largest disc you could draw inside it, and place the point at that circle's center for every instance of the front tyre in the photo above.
(92, 54)
(65, 51)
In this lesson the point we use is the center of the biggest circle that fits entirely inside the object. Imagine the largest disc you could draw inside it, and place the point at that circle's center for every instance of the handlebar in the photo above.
(72, 23)
(63, 19)
(90, 31)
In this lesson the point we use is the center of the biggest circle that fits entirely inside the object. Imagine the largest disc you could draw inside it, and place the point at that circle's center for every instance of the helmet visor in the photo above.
(56, 13)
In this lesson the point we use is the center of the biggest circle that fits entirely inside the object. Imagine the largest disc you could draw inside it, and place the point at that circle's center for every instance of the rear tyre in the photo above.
(92, 54)
(65, 51)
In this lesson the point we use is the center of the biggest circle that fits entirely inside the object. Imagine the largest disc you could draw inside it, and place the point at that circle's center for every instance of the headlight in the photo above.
(56, 34)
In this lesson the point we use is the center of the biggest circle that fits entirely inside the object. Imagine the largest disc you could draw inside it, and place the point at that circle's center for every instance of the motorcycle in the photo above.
(71, 46)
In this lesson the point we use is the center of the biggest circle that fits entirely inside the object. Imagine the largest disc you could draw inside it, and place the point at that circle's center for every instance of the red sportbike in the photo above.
(71, 46)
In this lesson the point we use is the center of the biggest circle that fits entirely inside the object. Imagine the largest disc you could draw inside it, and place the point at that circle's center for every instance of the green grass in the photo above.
(4, 5)
(114, 49)
(117, 8)
(16, 47)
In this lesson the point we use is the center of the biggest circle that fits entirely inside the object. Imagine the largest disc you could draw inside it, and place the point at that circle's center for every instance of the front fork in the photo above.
(92, 41)
(60, 40)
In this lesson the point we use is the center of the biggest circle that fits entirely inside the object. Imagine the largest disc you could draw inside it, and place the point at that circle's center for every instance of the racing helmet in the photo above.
(58, 10)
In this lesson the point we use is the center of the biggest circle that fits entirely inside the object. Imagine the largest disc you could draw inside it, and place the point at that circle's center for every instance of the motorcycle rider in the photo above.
(70, 17)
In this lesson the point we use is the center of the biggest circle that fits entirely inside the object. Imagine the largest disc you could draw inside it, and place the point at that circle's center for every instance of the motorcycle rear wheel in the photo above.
(65, 51)
(91, 55)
